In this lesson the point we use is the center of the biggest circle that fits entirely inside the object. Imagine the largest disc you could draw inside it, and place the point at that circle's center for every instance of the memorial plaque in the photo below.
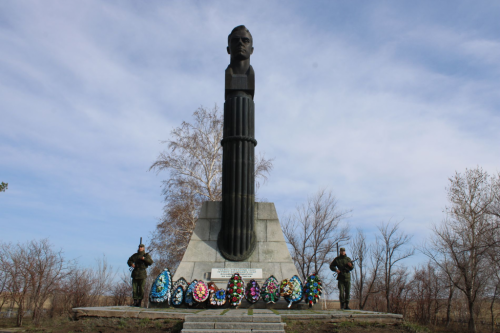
(245, 273)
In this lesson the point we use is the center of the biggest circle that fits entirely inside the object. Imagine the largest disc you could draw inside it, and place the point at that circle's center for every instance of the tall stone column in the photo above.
(237, 240)
(237, 237)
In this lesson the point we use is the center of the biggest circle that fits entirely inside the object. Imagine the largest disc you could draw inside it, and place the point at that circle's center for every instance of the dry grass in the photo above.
(104, 325)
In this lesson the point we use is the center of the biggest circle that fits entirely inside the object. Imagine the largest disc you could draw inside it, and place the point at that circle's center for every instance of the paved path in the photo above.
(181, 313)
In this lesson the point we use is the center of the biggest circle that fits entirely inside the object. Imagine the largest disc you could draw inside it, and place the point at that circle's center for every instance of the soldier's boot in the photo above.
(347, 306)
(341, 306)
(134, 303)
(139, 303)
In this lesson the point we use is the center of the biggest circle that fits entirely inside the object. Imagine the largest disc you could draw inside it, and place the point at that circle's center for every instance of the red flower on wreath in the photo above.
(239, 284)
(235, 299)
(230, 291)
(231, 285)
(238, 291)
(236, 277)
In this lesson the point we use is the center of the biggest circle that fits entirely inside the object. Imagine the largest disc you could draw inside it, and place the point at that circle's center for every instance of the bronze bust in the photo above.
(239, 74)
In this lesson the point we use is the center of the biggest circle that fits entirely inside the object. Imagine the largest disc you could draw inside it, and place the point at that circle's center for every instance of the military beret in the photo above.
(141, 245)
(342, 249)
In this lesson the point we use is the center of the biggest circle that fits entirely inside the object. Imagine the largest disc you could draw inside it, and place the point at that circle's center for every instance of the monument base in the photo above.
(202, 254)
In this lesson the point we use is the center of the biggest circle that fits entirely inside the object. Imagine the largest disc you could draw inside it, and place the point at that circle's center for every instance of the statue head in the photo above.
(240, 44)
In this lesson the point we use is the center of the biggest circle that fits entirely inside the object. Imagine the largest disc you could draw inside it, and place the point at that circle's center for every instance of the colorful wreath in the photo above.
(297, 291)
(286, 288)
(235, 289)
(270, 291)
(189, 293)
(218, 298)
(178, 296)
(181, 282)
(252, 291)
(212, 287)
(312, 289)
(161, 287)
(201, 292)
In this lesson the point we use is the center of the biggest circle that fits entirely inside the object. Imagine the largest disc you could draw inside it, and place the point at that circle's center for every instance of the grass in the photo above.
(122, 323)
(143, 324)
(317, 326)
(224, 312)
(105, 325)
(250, 312)
(177, 328)
(414, 328)
(351, 324)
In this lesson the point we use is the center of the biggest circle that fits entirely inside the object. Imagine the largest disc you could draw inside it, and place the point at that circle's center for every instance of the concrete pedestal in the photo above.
(271, 252)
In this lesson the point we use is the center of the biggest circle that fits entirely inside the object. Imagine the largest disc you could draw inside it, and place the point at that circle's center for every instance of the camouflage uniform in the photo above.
(343, 278)
(139, 274)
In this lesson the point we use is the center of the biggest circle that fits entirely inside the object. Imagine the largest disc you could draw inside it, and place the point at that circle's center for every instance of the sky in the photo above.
(378, 101)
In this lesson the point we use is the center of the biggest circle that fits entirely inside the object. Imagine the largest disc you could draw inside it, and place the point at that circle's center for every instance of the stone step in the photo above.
(234, 325)
(258, 318)
(212, 331)
(230, 331)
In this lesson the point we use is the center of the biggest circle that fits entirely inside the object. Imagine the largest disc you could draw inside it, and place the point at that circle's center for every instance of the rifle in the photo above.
(335, 274)
(135, 263)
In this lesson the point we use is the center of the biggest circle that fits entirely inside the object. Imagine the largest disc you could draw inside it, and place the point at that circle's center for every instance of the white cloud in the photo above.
(381, 110)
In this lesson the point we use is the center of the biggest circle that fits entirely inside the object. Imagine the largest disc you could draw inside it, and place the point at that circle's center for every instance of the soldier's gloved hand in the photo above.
(349, 264)
(133, 265)
(338, 272)
(142, 258)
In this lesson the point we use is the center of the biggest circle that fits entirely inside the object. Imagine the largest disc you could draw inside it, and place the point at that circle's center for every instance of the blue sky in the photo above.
(379, 101)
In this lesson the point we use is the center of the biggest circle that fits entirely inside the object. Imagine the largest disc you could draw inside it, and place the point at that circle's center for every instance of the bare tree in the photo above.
(4, 287)
(462, 243)
(194, 159)
(122, 290)
(173, 232)
(393, 244)
(366, 271)
(428, 289)
(450, 274)
(400, 290)
(194, 163)
(313, 232)
(494, 283)
(494, 294)
(102, 277)
(15, 262)
(85, 286)
(34, 270)
(494, 207)
(77, 289)
(49, 268)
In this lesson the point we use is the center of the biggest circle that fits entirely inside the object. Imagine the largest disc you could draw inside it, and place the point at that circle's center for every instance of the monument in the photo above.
(237, 234)
(236, 238)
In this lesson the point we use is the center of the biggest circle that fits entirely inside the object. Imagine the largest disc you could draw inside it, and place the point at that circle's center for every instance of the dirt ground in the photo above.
(110, 325)
(345, 327)
(324, 327)
(99, 325)
(115, 325)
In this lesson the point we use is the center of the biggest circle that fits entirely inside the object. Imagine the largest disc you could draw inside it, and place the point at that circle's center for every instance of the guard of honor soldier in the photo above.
(343, 266)
(139, 261)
